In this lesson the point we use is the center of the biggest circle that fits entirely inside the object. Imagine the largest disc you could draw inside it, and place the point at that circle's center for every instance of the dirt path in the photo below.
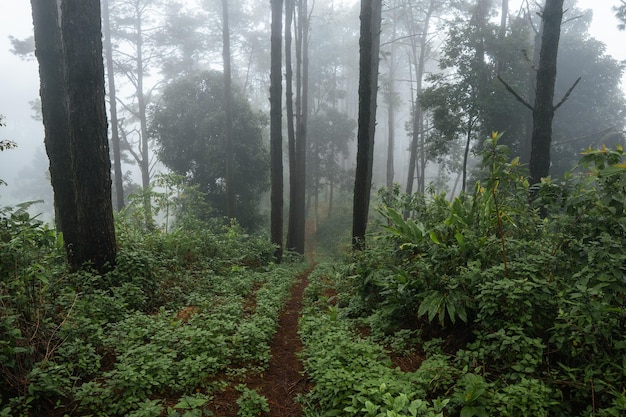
(283, 380)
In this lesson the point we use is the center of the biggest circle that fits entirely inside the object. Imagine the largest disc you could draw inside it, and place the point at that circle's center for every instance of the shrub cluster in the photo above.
(522, 290)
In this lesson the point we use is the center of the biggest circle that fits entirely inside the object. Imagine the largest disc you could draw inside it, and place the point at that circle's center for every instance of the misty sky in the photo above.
(19, 84)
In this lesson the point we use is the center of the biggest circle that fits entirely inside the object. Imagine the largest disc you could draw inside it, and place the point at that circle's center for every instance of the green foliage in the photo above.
(250, 403)
(518, 313)
(182, 313)
(189, 123)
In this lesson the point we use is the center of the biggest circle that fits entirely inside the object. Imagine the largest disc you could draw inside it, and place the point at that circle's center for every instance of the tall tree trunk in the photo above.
(532, 84)
(543, 112)
(504, 12)
(291, 134)
(295, 235)
(82, 45)
(468, 141)
(369, 46)
(115, 136)
(276, 135)
(144, 154)
(228, 110)
(419, 64)
(391, 112)
(54, 107)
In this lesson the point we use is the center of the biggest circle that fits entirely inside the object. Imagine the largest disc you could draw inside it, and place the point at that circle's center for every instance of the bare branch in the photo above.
(566, 96)
(515, 93)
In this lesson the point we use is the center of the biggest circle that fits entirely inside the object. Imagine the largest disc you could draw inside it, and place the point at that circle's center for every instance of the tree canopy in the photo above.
(188, 124)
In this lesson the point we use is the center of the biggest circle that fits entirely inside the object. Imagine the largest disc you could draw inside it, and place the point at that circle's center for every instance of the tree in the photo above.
(134, 27)
(54, 107)
(91, 166)
(72, 96)
(419, 41)
(228, 112)
(297, 212)
(369, 45)
(276, 136)
(189, 126)
(330, 132)
(544, 108)
(115, 136)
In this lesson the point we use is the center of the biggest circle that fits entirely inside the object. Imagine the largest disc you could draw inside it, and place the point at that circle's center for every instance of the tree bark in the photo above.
(276, 139)
(295, 236)
(291, 134)
(82, 45)
(369, 45)
(54, 106)
(228, 110)
(543, 112)
(115, 136)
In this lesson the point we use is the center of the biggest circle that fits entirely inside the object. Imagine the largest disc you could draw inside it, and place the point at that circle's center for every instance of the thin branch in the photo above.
(515, 93)
(566, 96)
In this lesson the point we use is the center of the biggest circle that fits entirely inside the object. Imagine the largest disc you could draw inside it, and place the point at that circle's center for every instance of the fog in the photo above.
(25, 167)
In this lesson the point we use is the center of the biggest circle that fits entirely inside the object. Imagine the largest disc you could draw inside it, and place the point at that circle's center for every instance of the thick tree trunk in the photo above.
(82, 42)
(276, 136)
(543, 112)
(115, 136)
(54, 106)
(369, 45)
(228, 110)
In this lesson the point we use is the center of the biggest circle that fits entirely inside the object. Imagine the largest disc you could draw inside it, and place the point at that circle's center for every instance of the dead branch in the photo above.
(515, 94)
(566, 96)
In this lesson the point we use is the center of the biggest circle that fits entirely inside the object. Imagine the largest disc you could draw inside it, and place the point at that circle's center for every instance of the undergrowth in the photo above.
(185, 313)
(514, 298)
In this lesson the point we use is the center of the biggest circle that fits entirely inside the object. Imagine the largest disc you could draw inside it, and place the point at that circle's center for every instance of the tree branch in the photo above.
(566, 96)
(517, 96)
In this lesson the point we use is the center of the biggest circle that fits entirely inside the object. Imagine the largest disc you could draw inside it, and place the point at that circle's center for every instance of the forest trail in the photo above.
(283, 380)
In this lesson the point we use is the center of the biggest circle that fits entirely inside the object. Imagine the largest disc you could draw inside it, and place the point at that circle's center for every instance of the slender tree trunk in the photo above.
(391, 110)
(143, 125)
(115, 136)
(276, 136)
(297, 224)
(543, 112)
(54, 106)
(291, 135)
(82, 42)
(504, 11)
(228, 109)
(369, 45)
(532, 84)
(419, 64)
(468, 141)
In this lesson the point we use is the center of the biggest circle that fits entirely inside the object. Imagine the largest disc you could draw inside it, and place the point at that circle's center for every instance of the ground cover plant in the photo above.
(182, 316)
(514, 309)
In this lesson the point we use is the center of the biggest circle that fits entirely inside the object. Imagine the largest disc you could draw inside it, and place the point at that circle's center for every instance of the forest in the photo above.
(318, 208)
